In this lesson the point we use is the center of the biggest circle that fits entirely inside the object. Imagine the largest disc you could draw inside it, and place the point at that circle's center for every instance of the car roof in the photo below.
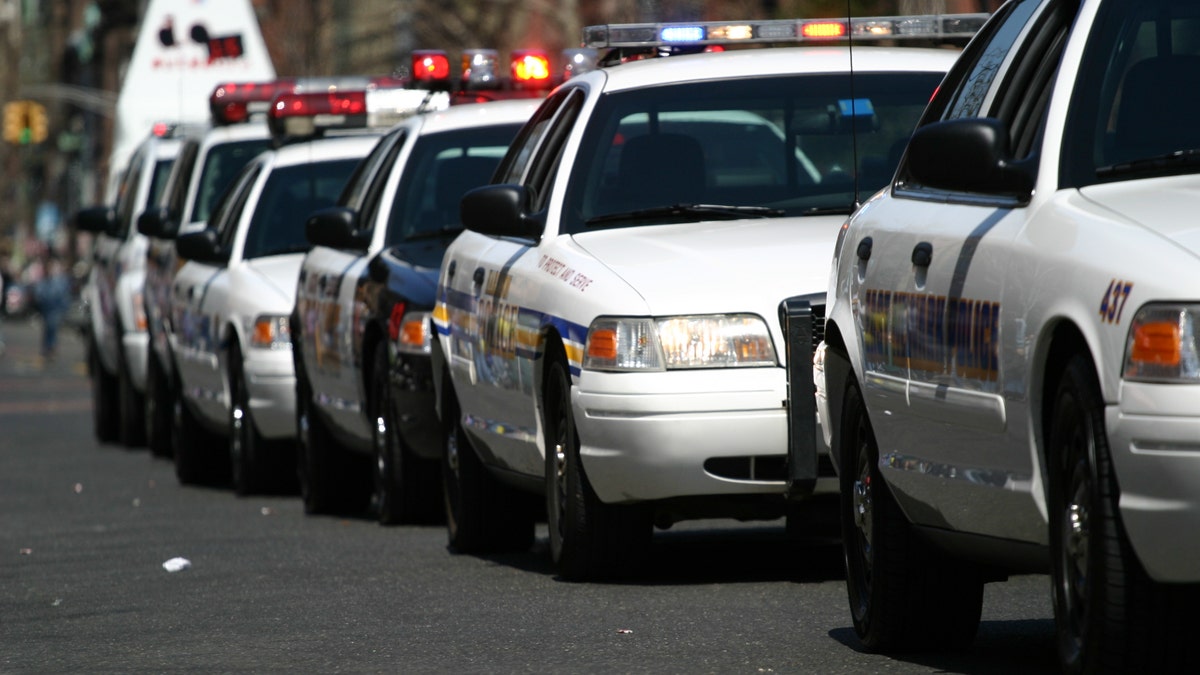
(469, 115)
(775, 61)
(327, 148)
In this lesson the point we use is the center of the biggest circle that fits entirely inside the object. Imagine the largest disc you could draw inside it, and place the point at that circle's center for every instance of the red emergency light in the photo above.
(295, 114)
(234, 102)
(830, 30)
(530, 67)
(430, 66)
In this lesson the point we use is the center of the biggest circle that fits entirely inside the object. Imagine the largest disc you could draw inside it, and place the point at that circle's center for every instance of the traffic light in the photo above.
(35, 117)
(15, 121)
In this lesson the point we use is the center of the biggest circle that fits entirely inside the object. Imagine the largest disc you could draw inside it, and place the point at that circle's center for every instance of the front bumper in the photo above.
(271, 383)
(647, 436)
(137, 351)
(1154, 438)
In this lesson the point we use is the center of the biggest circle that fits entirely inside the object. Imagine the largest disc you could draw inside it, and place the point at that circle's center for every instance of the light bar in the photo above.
(304, 114)
(235, 102)
(926, 26)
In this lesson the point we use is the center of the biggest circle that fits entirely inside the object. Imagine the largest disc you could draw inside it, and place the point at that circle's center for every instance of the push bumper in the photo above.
(1154, 438)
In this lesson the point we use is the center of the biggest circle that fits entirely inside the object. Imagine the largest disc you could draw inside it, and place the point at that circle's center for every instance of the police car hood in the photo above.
(1167, 206)
(720, 266)
(278, 274)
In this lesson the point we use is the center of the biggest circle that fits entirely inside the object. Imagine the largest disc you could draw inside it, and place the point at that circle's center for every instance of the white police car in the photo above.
(1011, 374)
(361, 320)
(606, 327)
(118, 341)
(232, 298)
(208, 162)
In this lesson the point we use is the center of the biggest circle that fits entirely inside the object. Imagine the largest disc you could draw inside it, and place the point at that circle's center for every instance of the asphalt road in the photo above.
(85, 529)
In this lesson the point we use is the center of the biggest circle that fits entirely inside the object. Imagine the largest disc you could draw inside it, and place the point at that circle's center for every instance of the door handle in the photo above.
(922, 254)
(864, 249)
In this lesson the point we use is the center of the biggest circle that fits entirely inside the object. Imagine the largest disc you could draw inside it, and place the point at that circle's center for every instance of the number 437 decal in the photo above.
(1113, 302)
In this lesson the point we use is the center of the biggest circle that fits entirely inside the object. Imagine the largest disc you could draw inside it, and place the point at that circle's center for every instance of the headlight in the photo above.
(681, 342)
(271, 332)
(1162, 345)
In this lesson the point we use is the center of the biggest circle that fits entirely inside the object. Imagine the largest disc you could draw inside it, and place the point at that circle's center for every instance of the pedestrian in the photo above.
(52, 297)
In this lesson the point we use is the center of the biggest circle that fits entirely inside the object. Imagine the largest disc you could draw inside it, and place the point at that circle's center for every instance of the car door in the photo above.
(490, 278)
(326, 295)
(197, 338)
(939, 343)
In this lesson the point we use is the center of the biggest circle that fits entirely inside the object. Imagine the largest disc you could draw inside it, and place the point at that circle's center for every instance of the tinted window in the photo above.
(440, 169)
(221, 165)
(1133, 113)
(783, 143)
(290, 194)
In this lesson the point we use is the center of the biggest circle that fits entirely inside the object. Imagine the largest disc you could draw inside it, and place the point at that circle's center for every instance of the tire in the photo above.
(407, 487)
(132, 430)
(588, 538)
(1109, 615)
(253, 465)
(158, 408)
(331, 481)
(199, 459)
(482, 514)
(105, 408)
(904, 594)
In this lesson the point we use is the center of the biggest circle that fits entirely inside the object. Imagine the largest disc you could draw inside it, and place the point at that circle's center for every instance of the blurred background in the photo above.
(63, 61)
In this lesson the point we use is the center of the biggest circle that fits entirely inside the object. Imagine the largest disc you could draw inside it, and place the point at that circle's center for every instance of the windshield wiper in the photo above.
(707, 211)
(1171, 160)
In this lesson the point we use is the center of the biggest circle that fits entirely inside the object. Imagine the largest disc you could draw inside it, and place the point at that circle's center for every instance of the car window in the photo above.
(440, 169)
(985, 60)
(368, 213)
(221, 165)
(785, 144)
(228, 210)
(288, 197)
(1133, 112)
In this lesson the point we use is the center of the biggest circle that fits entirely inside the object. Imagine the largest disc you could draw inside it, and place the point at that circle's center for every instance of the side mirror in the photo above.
(97, 219)
(336, 227)
(202, 246)
(500, 211)
(158, 221)
(967, 155)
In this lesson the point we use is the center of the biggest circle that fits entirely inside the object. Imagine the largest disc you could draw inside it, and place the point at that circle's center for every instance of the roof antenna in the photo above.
(853, 103)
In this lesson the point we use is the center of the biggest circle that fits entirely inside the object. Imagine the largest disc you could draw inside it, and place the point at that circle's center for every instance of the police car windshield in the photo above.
(221, 166)
(786, 144)
(1134, 110)
(440, 169)
(290, 195)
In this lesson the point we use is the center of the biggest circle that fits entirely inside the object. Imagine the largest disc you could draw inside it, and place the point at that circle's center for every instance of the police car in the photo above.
(232, 297)
(364, 294)
(208, 161)
(1009, 375)
(606, 332)
(118, 341)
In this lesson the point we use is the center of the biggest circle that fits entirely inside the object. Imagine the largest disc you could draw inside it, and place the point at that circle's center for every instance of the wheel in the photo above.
(104, 399)
(253, 464)
(132, 405)
(904, 595)
(588, 538)
(1109, 615)
(482, 514)
(198, 456)
(406, 486)
(158, 408)
(331, 481)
